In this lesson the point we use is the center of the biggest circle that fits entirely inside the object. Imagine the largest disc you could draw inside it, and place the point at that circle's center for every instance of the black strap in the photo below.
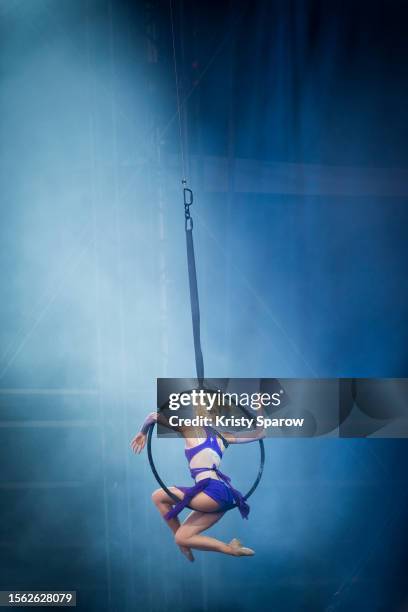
(192, 279)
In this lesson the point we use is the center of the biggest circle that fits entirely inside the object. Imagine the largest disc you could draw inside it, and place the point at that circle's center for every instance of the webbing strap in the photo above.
(192, 281)
(195, 305)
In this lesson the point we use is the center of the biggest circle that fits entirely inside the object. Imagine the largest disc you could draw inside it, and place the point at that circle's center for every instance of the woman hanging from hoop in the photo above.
(212, 494)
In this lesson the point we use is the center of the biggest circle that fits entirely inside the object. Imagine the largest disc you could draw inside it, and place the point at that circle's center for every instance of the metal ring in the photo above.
(177, 499)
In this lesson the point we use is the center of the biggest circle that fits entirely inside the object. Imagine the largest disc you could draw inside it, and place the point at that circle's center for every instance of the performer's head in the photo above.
(210, 405)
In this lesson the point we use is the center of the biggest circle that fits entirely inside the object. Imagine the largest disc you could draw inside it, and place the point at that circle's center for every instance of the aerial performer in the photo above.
(211, 496)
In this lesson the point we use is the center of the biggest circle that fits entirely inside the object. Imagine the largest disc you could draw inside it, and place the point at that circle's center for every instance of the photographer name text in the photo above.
(234, 422)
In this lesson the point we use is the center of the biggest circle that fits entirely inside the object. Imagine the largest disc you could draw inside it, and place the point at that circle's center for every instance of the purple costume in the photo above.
(219, 489)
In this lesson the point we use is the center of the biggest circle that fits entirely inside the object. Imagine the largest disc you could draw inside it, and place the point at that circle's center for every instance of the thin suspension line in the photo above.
(179, 105)
(229, 34)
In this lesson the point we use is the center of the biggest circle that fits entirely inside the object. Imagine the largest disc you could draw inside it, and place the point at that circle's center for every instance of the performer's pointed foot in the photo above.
(240, 551)
(187, 553)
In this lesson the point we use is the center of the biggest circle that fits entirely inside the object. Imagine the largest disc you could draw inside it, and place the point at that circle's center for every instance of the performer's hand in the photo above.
(138, 443)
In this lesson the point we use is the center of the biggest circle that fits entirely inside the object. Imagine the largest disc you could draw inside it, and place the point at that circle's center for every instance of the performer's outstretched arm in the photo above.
(244, 438)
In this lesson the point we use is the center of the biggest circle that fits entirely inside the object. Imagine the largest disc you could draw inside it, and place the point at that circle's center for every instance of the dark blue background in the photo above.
(292, 283)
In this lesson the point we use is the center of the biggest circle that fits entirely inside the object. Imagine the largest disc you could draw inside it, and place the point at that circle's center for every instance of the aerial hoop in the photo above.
(188, 200)
(177, 499)
(199, 361)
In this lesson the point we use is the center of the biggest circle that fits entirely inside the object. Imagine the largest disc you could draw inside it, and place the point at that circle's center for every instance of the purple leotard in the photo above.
(220, 490)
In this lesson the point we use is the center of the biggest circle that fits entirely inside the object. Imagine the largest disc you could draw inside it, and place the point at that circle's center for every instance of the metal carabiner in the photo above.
(187, 201)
